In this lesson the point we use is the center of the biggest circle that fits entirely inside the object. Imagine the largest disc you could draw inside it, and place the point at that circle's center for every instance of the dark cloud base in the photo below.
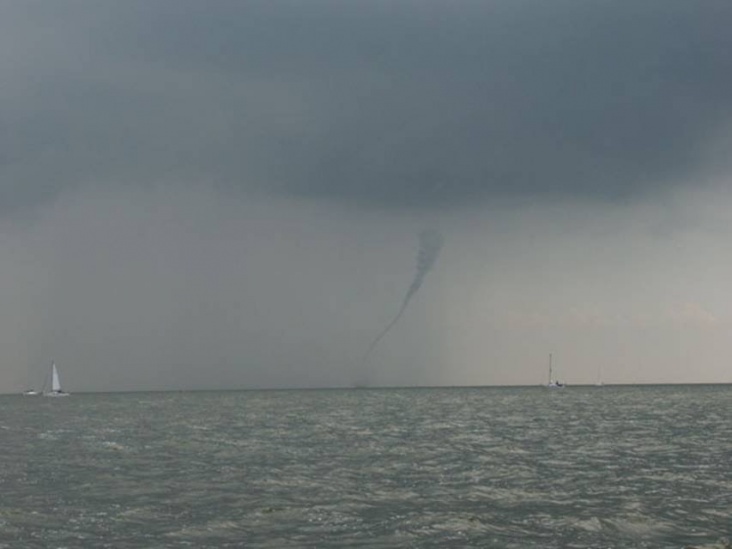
(389, 105)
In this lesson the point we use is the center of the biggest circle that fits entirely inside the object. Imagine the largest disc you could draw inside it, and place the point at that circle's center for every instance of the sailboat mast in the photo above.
(550, 367)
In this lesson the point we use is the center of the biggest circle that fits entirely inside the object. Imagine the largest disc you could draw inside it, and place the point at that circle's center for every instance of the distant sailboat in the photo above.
(599, 382)
(32, 392)
(553, 383)
(56, 390)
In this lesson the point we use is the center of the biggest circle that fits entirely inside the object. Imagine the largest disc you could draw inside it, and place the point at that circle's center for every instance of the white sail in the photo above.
(56, 390)
(55, 383)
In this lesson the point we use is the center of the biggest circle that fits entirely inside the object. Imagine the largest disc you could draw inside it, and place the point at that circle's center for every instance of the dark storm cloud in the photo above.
(390, 104)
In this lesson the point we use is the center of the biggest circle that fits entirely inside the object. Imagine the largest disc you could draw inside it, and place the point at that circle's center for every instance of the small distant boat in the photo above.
(553, 383)
(32, 392)
(56, 390)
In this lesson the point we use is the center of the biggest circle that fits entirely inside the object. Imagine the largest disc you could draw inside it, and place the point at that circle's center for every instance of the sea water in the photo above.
(589, 467)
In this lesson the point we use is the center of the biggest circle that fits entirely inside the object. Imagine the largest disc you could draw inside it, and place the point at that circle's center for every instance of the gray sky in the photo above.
(228, 194)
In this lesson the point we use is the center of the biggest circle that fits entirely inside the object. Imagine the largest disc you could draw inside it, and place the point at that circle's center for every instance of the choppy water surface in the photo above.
(459, 467)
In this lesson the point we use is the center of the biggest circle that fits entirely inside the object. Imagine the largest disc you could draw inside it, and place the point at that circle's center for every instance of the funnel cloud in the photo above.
(430, 244)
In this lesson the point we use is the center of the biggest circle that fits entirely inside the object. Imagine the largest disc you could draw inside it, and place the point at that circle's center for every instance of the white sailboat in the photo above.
(32, 392)
(599, 382)
(56, 390)
(553, 383)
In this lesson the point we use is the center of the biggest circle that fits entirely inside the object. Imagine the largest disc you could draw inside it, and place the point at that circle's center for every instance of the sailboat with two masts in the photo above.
(56, 390)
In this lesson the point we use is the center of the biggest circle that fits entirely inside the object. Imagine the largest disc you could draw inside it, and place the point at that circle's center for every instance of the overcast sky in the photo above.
(229, 194)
